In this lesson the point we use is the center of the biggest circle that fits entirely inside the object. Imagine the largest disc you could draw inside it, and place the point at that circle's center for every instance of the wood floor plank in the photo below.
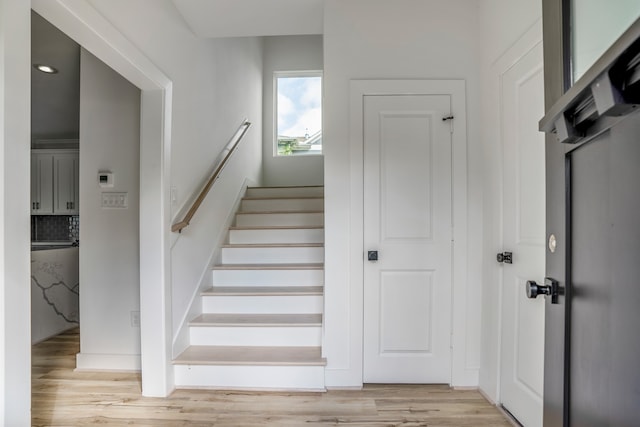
(63, 397)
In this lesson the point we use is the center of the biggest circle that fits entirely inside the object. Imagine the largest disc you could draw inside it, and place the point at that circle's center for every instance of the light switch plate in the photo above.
(115, 200)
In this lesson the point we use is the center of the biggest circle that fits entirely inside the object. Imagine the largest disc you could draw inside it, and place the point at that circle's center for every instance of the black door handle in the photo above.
(372, 255)
(551, 287)
(533, 289)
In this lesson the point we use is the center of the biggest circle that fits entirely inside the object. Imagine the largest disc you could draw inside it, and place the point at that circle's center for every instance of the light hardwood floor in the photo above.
(62, 397)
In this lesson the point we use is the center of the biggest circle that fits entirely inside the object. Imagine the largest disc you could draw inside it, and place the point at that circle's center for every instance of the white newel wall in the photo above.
(109, 237)
(288, 53)
(403, 39)
(216, 84)
(503, 22)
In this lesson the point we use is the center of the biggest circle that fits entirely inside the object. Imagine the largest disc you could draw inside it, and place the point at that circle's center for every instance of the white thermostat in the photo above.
(105, 179)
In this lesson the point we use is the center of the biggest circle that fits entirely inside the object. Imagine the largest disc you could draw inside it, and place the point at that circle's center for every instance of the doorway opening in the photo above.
(88, 28)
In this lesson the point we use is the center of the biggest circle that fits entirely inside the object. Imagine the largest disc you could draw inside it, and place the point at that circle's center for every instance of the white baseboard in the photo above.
(345, 388)
(108, 362)
(486, 396)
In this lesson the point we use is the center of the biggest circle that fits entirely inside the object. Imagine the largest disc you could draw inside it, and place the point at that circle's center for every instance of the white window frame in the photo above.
(285, 74)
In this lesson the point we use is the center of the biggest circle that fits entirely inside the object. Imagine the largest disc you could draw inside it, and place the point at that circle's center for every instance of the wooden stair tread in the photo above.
(235, 319)
(263, 291)
(285, 186)
(264, 356)
(278, 212)
(274, 245)
(276, 227)
(315, 266)
(283, 198)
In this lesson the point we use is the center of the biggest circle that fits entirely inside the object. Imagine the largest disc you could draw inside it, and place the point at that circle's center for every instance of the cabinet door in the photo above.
(65, 183)
(41, 184)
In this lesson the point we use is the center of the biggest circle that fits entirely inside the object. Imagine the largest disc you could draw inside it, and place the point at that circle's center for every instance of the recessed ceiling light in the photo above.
(45, 68)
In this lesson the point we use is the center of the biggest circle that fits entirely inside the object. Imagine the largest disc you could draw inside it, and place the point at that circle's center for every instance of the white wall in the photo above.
(377, 39)
(216, 84)
(288, 53)
(503, 22)
(15, 345)
(109, 238)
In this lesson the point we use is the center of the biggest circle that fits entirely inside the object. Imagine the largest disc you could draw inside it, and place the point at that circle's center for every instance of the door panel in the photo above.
(407, 295)
(604, 341)
(404, 295)
(522, 348)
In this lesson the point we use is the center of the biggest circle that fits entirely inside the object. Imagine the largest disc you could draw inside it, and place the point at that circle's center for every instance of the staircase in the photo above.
(261, 321)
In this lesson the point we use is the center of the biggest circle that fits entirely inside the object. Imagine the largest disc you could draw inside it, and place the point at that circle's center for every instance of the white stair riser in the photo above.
(269, 336)
(284, 255)
(286, 192)
(298, 304)
(266, 205)
(280, 219)
(268, 277)
(297, 235)
(249, 377)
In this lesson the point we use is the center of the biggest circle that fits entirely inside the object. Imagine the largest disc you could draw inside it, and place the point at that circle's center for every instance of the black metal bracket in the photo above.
(554, 286)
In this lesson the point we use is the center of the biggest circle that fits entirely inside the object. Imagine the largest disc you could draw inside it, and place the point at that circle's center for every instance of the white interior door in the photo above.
(407, 220)
(522, 352)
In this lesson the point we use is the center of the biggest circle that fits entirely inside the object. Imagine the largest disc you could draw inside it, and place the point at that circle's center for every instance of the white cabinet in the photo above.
(65, 183)
(54, 182)
(41, 183)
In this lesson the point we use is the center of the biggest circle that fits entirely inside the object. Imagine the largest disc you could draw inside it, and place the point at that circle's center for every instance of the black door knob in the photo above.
(533, 289)
(372, 255)
(505, 257)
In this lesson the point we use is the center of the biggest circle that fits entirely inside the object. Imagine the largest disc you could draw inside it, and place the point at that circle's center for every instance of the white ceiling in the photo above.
(243, 18)
(55, 98)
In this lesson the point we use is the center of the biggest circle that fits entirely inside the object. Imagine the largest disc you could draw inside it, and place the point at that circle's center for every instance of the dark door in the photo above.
(592, 325)
(604, 196)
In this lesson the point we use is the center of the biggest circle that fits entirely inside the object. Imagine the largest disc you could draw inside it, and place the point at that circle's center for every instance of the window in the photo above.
(298, 113)
(595, 25)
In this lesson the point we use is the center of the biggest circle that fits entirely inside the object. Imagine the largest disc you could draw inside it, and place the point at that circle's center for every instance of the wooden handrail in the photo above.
(235, 141)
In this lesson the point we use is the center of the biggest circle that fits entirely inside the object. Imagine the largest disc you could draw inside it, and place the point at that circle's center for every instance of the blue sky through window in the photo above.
(299, 106)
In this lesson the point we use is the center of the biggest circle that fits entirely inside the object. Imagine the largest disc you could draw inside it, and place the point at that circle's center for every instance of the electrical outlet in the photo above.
(174, 196)
(135, 319)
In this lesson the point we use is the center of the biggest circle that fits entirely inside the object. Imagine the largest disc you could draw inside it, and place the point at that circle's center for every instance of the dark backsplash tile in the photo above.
(47, 228)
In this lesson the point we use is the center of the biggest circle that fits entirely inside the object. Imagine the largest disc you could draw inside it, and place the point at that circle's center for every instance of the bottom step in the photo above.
(292, 378)
(266, 368)
(266, 356)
